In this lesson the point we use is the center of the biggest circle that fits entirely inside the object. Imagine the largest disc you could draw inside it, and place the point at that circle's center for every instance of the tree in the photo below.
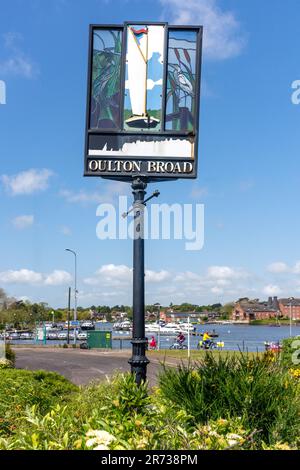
(226, 310)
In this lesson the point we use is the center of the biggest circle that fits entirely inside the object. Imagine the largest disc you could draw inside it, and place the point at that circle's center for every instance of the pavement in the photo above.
(84, 366)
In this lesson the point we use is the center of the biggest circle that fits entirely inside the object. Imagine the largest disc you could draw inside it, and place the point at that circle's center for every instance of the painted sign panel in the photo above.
(144, 77)
(106, 79)
(143, 101)
(181, 85)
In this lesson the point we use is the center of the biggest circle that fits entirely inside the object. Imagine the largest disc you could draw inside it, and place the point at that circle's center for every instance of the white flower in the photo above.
(91, 442)
(102, 438)
(233, 439)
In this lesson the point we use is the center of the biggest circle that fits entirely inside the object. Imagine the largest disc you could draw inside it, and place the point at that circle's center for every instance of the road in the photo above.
(82, 366)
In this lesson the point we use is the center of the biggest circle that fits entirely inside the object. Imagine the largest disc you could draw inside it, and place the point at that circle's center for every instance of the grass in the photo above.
(255, 389)
(195, 354)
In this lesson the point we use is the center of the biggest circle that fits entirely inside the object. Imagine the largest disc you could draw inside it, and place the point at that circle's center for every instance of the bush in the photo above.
(257, 390)
(118, 415)
(290, 354)
(20, 389)
(6, 364)
(9, 354)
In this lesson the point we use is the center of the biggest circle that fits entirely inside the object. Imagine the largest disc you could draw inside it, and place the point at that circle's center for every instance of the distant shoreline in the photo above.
(255, 323)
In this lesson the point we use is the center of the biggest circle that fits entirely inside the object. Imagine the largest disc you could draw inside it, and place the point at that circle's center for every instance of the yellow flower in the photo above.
(295, 373)
(195, 375)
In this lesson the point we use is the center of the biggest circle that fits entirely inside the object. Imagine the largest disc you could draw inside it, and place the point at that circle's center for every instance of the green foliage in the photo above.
(20, 389)
(9, 354)
(258, 390)
(6, 364)
(119, 415)
(290, 354)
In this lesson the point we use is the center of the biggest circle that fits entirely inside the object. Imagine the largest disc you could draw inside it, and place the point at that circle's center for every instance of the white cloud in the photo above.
(271, 290)
(58, 278)
(159, 276)
(222, 32)
(27, 182)
(109, 191)
(16, 63)
(217, 290)
(296, 268)
(26, 276)
(81, 196)
(111, 272)
(118, 275)
(23, 221)
(225, 272)
(22, 276)
(111, 275)
(278, 267)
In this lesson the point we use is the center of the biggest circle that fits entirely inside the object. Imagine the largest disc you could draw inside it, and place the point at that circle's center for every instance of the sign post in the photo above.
(142, 124)
(139, 360)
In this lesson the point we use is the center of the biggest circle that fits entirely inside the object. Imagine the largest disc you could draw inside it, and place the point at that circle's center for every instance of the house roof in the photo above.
(286, 302)
(256, 306)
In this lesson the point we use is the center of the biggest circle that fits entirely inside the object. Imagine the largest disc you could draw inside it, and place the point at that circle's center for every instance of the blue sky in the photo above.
(248, 156)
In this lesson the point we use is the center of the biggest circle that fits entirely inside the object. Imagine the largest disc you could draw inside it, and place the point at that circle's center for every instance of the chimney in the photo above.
(276, 303)
(270, 302)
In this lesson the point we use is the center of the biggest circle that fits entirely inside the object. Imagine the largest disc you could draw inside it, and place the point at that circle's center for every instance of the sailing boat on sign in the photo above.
(137, 67)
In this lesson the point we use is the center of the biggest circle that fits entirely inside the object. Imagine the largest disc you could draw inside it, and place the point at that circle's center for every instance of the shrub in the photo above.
(119, 415)
(257, 390)
(20, 389)
(9, 354)
(6, 364)
(290, 354)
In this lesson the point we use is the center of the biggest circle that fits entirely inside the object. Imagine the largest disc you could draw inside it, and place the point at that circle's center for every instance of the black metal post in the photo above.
(139, 360)
(69, 308)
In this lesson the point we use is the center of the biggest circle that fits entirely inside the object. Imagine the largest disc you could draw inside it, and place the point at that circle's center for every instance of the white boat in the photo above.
(52, 335)
(87, 325)
(169, 328)
(185, 326)
(82, 335)
(62, 335)
(26, 335)
(123, 325)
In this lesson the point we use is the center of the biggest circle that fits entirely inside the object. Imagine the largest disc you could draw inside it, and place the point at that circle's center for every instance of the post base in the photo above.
(139, 361)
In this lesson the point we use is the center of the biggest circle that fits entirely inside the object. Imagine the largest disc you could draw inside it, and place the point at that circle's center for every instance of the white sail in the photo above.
(137, 72)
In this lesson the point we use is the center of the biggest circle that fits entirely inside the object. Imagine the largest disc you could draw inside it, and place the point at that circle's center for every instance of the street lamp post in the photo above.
(291, 302)
(75, 291)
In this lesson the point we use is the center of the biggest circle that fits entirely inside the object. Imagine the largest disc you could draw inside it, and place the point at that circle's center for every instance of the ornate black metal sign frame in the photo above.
(143, 95)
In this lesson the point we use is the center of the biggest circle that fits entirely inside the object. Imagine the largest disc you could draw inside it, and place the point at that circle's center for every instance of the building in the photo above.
(246, 310)
(171, 316)
(151, 316)
(290, 307)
